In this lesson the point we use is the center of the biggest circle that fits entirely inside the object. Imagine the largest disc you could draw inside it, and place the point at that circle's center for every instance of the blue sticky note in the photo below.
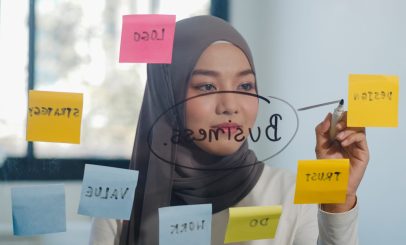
(185, 225)
(38, 209)
(107, 192)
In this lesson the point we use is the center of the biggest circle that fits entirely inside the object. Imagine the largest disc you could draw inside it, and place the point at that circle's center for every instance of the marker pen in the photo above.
(337, 114)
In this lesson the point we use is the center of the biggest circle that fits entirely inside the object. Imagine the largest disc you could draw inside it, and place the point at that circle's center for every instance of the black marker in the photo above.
(337, 114)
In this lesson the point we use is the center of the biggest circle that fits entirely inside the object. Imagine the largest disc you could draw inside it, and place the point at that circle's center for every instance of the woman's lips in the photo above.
(226, 127)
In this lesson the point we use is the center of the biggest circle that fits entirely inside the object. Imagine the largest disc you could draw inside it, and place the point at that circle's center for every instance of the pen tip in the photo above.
(342, 102)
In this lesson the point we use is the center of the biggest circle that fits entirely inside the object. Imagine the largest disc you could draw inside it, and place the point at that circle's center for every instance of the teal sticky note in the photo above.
(185, 225)
(38, 209)
(107, 192)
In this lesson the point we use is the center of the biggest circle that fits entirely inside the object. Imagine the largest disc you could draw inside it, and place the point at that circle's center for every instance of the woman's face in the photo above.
(221, 67)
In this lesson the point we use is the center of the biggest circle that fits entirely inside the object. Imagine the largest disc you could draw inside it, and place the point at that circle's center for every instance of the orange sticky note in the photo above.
(54, 116)
(373, 101)
(322, 181)
(147, 38)
(252, 223)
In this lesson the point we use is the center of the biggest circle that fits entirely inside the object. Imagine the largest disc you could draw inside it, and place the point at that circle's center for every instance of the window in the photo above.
(13, 78)
(73, 46)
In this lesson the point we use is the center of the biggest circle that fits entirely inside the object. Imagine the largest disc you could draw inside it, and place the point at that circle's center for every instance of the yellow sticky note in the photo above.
(322, 181)
(54, 116)
(252, 223)
(373, 101)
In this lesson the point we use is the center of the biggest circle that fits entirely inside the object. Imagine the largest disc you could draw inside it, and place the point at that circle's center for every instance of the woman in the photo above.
(212, 64)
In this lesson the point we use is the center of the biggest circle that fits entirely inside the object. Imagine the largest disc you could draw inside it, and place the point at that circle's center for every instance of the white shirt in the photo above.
(303, 224)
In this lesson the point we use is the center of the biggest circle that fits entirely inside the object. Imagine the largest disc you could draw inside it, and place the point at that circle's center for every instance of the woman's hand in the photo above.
(349, 143)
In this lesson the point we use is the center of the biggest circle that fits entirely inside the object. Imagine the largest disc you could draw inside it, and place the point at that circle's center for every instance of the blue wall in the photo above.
(304, 52)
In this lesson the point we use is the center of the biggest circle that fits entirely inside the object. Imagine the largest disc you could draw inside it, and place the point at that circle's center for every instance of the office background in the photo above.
(303, 51)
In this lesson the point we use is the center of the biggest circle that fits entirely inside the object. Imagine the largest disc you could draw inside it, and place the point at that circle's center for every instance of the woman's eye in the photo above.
(206, 87)
(247, 86)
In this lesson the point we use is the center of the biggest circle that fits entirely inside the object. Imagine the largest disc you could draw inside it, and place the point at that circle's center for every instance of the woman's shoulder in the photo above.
(275, 186)
(278, 178)
(105, 231)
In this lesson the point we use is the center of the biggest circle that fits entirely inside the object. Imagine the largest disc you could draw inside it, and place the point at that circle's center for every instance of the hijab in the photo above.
(181, 173)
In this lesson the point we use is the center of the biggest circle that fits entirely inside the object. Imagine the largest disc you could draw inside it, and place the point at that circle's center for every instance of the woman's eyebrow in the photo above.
(206, 73)
(246, 72)
(217, 74)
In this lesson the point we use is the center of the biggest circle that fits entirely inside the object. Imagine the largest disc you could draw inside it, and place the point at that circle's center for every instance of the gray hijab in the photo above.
(181, 174)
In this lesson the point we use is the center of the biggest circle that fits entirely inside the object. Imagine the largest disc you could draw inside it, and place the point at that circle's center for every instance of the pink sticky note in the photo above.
(147, 38)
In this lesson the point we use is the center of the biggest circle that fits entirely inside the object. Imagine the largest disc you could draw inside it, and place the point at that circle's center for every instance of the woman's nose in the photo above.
(227, 103)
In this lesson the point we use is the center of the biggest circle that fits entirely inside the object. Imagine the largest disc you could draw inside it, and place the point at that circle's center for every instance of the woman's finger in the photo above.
(322, 130)
(341, 135)
(358, 137)
(342, 124)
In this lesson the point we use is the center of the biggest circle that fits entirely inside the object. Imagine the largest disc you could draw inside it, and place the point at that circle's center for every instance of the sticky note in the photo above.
(38, 209)
(373, 101)
(252, 223)
(107, 192)
(322, 181)
(54, 116)
(147, 38)
(185, 225)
